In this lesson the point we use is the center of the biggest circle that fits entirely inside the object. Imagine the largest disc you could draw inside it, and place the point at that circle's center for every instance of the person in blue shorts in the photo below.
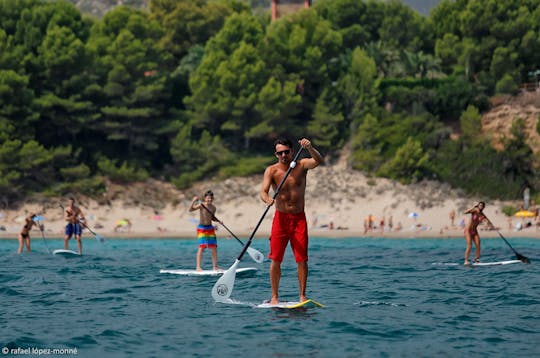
(74, 217)
(206, 232)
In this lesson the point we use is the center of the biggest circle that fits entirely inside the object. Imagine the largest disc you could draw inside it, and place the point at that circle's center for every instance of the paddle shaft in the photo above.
(507, 243)
(222, 224)
(518, 255)
(43, 237)
(291, 166)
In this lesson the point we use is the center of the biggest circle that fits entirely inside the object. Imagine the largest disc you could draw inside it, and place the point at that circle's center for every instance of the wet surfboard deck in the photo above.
(66, 253)
(239, 271)
(292, 305)
(496, 263)
(487, 263)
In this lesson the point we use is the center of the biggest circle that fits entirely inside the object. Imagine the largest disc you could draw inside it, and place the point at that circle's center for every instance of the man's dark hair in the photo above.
(283, 141)
(209, 193)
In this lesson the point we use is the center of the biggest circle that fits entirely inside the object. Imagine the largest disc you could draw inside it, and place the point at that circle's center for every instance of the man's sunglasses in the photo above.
(286, 152)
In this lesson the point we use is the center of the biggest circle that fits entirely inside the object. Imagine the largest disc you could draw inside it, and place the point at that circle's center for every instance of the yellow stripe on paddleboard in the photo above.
(306, 304)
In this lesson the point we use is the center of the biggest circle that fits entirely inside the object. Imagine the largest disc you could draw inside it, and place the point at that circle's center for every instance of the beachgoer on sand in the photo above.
(471, 230)
(24, 235)
(452, 216)
(74, 217)
(206, 232)
(123, 224)
(289, 223)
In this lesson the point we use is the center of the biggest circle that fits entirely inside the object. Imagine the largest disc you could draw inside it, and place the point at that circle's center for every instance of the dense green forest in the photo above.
(101, 7)
(191, 89)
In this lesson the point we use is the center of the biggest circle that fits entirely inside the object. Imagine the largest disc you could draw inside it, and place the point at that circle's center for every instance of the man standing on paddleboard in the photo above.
(289, 222)
(74, 217)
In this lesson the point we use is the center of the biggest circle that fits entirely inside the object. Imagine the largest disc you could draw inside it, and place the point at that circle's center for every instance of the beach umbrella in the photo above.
(524, 214)
(414, 215)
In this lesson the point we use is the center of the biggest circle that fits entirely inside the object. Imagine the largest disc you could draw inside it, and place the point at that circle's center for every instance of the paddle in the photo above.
(518, 255)
(222, 289)
(36, 220)
(99, 238)
(256, 255)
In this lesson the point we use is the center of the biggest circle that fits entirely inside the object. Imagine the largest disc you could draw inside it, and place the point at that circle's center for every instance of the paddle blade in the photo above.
(256, 255)
(224, 286)
(522, 258)
(100, 238)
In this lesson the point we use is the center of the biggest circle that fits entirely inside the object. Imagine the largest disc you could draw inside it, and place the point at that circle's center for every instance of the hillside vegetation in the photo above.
(184, 90)
(101, 7)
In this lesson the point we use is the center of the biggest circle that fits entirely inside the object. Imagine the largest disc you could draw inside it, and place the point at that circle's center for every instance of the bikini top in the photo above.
(477, 218)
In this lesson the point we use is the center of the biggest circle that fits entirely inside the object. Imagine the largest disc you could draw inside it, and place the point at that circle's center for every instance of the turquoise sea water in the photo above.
(383, 297)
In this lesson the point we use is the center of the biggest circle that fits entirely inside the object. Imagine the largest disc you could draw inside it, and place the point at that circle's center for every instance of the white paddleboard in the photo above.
(239, 271)
(291, 305)
(494, 263)
(65, 253)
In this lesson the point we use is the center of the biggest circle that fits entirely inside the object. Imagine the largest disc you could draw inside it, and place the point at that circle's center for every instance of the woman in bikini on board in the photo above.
(471, 230)
(24, 235)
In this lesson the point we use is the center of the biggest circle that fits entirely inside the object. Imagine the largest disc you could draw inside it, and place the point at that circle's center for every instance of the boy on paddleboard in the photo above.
(205, 230)
(289, 222)
(74, 217)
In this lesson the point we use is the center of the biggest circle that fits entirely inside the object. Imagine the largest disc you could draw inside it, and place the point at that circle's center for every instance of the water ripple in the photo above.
(383, 298)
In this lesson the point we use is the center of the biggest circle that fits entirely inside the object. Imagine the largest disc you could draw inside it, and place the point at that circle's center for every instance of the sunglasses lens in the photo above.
(286, 152)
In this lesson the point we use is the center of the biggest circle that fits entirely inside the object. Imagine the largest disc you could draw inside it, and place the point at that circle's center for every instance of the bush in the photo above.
(509, 210)
(507, 85)
(125, 173)
(245, 167)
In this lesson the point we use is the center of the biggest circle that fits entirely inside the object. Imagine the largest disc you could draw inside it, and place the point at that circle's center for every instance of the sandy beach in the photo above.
(338, 202)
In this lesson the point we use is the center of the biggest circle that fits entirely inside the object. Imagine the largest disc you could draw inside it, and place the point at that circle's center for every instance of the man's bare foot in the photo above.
(274, 301)
(303, 298)
(217, 268)
(466, 263)
(199, 269)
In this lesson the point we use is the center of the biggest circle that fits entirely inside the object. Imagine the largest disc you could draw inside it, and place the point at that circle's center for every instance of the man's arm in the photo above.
(316, 157)
(81, 216)
(265, 188)
(67, 214)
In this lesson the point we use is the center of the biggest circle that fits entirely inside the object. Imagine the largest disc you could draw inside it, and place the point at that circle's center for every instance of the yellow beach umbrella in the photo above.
(524, 214)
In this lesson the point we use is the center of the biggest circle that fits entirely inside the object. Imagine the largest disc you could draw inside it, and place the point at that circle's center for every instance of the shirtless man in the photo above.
(205, 230)
(24, 235)
(289, 219)
(74, 217)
